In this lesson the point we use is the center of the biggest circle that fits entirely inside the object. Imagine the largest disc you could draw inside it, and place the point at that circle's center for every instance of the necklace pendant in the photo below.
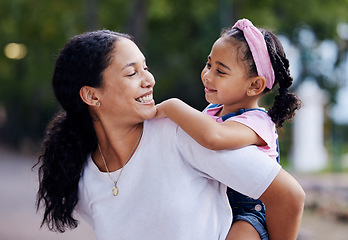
(115, 190)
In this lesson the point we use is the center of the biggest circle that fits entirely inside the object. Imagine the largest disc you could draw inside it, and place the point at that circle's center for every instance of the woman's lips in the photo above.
(145, 99)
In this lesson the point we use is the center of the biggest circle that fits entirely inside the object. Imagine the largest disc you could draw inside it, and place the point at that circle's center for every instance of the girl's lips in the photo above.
(208, 90)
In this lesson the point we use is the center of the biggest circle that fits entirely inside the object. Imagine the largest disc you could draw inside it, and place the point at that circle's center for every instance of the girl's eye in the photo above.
(220, 72)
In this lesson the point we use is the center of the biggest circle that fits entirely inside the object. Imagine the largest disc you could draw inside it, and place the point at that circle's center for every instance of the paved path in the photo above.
(326, 209)
(19, 221)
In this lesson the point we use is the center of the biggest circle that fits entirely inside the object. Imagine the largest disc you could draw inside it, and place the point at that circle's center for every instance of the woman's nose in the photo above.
(149, 80)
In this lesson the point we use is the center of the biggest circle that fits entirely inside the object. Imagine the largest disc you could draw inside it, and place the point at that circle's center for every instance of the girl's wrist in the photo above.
(170, 103)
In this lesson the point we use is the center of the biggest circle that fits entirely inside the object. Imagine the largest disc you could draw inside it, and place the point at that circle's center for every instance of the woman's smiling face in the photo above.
(127, 85)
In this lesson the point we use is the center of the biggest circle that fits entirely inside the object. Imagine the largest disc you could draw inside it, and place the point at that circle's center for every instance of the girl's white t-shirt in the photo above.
(172, 188)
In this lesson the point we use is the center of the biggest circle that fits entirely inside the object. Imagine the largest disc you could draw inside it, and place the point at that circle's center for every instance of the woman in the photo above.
(135, 178)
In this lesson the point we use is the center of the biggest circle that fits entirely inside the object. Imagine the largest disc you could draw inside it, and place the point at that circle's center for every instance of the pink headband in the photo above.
(258, 49)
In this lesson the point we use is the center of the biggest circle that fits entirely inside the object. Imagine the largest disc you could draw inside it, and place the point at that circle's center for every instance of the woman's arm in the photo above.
(252, 173)
(284, 200)
(205, 130)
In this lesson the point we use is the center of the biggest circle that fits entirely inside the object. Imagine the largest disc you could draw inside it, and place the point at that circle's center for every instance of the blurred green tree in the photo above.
(176, 36)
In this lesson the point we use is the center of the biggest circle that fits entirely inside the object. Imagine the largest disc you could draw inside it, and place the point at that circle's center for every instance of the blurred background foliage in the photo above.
(175, 36)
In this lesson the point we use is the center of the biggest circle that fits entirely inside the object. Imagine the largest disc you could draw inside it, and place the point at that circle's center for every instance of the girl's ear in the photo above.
(87, 95)
(257, 86)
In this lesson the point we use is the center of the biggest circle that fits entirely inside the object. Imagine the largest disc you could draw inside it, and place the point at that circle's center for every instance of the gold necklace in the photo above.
(115, 189)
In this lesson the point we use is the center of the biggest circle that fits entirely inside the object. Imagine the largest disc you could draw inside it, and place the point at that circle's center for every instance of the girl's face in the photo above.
(126, 93)
(224, 77)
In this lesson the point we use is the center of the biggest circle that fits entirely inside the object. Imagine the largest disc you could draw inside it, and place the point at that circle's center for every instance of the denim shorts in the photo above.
(250, 210)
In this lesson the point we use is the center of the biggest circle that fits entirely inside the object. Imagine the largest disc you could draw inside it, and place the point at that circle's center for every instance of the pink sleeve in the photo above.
(263, 126)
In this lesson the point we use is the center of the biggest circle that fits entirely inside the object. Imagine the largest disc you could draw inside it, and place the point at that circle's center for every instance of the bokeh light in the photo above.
(15, 51)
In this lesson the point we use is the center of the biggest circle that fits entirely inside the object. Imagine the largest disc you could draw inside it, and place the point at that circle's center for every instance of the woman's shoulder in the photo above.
(160, 123)
(160, 126)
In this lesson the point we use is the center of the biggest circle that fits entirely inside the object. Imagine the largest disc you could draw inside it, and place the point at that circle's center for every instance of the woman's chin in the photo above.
(150, 113)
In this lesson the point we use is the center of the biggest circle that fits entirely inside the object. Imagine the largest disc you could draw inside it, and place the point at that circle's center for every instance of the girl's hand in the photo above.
(160, 110)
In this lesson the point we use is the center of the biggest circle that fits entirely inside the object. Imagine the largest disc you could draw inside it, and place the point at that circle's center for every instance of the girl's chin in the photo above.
(209, 99)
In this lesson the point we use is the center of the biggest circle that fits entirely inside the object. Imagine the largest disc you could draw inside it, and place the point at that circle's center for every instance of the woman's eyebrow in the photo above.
(128, 65)
(131, 64)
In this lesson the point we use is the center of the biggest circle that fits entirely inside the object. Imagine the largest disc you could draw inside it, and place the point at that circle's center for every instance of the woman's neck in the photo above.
(116, 145)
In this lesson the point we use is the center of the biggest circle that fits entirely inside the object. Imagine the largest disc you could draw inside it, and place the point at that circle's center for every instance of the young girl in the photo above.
(244, 63)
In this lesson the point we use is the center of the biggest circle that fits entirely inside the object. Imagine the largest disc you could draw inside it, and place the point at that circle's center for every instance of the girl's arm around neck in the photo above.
(205, 130)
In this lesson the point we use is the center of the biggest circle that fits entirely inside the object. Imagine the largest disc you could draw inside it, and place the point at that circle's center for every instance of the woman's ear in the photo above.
(87, 95)
(257, 86)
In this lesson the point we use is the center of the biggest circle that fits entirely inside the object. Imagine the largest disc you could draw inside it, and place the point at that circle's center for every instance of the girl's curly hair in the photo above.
(285, 103)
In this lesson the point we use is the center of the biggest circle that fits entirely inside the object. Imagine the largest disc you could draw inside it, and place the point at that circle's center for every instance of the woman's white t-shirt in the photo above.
(172, 188)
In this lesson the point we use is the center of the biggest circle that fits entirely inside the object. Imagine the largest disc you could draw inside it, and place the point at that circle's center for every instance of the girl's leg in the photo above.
(242, 230)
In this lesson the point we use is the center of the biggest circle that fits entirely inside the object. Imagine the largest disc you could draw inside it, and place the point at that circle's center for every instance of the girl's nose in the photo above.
(206, 76)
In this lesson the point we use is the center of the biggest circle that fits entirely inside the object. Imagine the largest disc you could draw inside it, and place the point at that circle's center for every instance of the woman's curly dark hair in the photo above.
(285, 103)
(70, 136)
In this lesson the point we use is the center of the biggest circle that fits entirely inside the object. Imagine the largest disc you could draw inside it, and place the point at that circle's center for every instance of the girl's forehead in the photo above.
(223, 48)
(226, 52)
